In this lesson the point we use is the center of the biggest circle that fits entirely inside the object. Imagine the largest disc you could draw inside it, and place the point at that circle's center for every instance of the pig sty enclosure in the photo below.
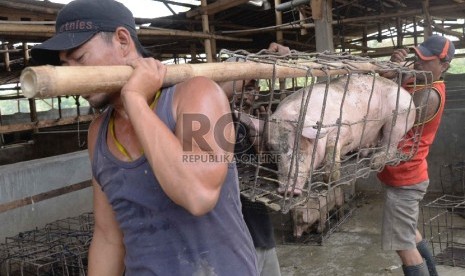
(307, 141)
(311, 141)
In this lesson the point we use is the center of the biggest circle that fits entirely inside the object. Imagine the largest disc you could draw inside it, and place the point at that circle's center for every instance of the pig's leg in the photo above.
(332, 161)
(333, 153)
(303, 218)
(322, 221)
(339, 201)
(299, 226)
(323, 213)
(391, 136)
(303, 161)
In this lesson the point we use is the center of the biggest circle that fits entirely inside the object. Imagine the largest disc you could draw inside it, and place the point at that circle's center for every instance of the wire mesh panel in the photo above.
(60, 248)
(312, 132)
(444, 228)
(313, 223)
(337, 121)
(444, 217)
(453, 178)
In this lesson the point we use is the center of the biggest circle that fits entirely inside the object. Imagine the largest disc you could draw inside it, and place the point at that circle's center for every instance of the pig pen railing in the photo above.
(60, 248)
(443, 217)
(262, 170)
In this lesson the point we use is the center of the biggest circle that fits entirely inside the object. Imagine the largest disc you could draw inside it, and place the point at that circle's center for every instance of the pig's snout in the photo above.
(303, 218)
(298, 231)
(289, 190)
(299, 224)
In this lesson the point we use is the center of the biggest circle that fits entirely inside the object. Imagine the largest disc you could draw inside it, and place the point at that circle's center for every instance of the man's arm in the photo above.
(230, 86)
(194, 184)
(398, 56)
(427, 101)
(106, 252)
(279, 49)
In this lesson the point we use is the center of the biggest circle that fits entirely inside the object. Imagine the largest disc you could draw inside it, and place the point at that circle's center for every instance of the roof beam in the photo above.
(43, 32)
(216, 7)
(371, 18)
(177, 3)
(32, 7)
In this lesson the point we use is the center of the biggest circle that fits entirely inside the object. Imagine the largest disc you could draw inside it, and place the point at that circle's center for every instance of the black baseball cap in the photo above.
(78, 22)
(436, 46)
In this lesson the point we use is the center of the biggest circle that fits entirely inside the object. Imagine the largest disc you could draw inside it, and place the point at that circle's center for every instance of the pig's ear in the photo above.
(257, 124)
(310, 133)
(250, 122)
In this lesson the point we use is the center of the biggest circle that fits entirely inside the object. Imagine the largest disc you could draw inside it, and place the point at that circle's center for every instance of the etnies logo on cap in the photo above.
(77, 25)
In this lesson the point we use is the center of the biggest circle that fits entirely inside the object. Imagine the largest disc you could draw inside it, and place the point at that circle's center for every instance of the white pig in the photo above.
(316, 209)
(368, 100)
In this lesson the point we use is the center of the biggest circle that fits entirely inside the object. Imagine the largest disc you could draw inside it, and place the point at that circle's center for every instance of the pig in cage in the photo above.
(60, 248)
(313, 222)
(335, 121)
(444, 217)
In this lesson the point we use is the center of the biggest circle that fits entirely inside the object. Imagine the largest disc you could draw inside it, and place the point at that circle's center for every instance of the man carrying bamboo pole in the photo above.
(166, 199)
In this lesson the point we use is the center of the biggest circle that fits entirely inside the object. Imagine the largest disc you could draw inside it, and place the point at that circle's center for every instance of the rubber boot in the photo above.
(422, 247)
(416, 270)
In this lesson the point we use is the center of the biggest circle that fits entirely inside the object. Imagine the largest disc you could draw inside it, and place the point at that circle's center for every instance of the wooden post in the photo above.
(427, 31)
(60, 115)
(25, 54)
(399, 32)
(6, 56)
(279, 39)
(364, 40)
(323, 25)
(279, 21)
(205, 27)
(193, 50)
(2, 139)
(302, 16)
(33, 112)
(213, 41)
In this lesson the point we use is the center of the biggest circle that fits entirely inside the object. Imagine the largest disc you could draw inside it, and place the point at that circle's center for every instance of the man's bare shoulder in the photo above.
(93, 130)
(199, 91)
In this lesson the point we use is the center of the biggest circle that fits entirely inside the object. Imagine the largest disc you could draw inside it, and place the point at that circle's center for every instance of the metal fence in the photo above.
(60, 248)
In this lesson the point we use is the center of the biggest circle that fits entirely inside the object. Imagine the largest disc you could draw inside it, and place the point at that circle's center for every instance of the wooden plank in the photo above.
(216, 7)
(43, 32)
(177, 3)
(44, 196)
(374, 18)
(45, 123)
(31, 6)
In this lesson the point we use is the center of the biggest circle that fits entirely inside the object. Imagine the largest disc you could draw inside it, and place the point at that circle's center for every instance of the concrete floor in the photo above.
(353, 249)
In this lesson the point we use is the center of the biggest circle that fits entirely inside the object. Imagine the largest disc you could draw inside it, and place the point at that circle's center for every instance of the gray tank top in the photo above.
(161, 237)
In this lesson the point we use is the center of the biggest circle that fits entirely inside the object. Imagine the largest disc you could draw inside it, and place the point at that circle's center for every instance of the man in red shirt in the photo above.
(406, 184)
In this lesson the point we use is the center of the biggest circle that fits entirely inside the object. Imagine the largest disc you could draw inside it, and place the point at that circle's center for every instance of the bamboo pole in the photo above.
(50, 81)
